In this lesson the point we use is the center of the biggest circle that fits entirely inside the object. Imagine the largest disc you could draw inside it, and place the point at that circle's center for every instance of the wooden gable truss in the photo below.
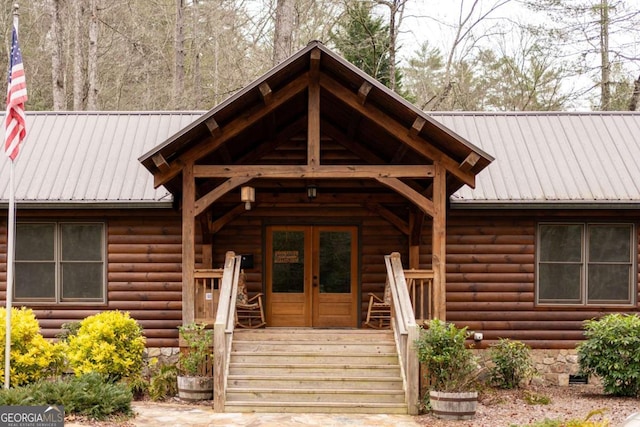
(316, 119)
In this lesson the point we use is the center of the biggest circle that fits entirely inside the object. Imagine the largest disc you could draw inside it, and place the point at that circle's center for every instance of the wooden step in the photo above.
(315, 382)
(309, 370)
(316, 407)
(325, 370)
(310, 346)
(314, 395)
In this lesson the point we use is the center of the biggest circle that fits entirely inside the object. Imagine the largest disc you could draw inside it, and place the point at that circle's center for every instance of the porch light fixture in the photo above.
(312, 191)
(248, 196)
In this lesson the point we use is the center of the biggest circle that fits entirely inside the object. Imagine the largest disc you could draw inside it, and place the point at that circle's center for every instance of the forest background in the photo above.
(472, 55)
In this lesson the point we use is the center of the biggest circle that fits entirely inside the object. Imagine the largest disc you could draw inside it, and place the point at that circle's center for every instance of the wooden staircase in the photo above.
(314, 370)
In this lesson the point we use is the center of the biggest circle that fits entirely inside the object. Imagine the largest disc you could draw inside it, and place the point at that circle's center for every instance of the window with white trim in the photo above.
(60, 262)
(586, 264)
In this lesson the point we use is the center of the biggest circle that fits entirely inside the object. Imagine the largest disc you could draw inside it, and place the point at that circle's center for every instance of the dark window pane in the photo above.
(35, 242)
(609, 282)
(559, 283)
(561, 242)
(35, 280)
(82, 280)
(610, 243)
(288, 261)
(81, 242)
(335, 262)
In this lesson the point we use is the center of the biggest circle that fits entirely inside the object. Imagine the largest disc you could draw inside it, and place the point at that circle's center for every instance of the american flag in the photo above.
(14, 122)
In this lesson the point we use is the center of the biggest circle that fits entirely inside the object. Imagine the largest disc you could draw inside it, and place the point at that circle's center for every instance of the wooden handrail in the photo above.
(405, 330)
(223, 329)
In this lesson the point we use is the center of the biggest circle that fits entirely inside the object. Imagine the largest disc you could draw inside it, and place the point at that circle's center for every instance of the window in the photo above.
(60, 262)
(585, 264)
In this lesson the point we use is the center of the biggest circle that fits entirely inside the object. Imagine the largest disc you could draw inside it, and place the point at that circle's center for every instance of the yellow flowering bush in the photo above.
(109, 343)
(32, 356)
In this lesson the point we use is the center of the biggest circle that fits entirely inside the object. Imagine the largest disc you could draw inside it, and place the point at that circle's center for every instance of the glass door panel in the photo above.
(311, 276)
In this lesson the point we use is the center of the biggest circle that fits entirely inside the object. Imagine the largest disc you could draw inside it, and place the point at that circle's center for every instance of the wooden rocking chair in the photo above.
(249, 311)
(379, 311)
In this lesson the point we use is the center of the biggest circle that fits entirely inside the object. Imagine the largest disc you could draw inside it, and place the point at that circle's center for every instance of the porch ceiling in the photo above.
(365, 132)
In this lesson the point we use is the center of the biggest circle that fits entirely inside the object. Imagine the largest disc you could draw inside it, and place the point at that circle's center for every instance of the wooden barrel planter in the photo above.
(195, 388)
(454, 406)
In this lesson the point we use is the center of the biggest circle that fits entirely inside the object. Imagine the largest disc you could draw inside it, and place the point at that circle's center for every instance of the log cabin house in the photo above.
(322, 185)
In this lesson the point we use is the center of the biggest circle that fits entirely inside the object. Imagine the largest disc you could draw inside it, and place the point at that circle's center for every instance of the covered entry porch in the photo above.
(315, 154)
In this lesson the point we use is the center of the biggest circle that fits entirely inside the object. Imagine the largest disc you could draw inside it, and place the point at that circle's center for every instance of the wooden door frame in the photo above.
(311, 233)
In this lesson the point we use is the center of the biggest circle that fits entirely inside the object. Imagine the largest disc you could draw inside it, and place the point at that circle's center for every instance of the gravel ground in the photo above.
(503, 408)
(510, 407)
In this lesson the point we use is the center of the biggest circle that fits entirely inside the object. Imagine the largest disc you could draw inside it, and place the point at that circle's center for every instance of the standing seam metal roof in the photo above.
(90, 157)
(555, 159)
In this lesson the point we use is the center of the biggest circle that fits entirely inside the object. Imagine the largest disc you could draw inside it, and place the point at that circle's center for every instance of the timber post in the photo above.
(188, 243)
(439, 245)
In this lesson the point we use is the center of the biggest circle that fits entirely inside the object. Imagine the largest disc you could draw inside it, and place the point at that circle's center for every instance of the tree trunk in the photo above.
(57, 56)
(92, 59)
(605, 101)
(396, 12)
(282, 44)
(635, 96)
(178, 75)
(78, 57)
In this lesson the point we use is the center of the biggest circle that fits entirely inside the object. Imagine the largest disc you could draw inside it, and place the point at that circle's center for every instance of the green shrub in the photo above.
(163, 382)
(32, 356)
(612, 352)
(109, 343)
(512, 363)
(67, 330)
(199, 340)
(88, 395)
(451, 365)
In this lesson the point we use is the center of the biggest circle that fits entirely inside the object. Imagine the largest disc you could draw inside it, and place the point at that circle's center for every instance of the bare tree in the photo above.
(56, 40)
(471, 16)
(396, 13)
(600, 35)
(92, 58)
(178, 74)
(283, 32)
(78, 54)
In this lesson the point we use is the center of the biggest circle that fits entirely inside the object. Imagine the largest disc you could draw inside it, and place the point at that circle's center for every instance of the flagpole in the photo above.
(10, 265)
(11, 225)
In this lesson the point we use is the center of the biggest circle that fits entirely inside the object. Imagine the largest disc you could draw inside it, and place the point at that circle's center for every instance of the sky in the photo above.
(434, 21)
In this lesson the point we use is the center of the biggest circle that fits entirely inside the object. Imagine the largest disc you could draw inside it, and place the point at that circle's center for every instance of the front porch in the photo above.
(315, 370)
(315, 149)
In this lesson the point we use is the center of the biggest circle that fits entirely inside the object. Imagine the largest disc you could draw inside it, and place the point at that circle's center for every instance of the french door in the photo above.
(311, 276)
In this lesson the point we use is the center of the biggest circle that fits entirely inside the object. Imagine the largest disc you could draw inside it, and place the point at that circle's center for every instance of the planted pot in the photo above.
(454, 406)
(195, 388)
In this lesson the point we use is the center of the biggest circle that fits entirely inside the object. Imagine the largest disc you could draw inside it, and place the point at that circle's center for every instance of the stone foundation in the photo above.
(163, 355)
(553, 367)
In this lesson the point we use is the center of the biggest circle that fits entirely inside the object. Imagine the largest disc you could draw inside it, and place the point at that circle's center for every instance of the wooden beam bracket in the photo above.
(363, 92)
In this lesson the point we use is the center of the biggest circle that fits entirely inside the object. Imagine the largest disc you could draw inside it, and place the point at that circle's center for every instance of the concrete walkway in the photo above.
(151, 414)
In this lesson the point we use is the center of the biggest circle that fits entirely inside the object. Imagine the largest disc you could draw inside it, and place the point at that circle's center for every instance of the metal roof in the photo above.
(88, 158)
(541, 159)
(552, 159)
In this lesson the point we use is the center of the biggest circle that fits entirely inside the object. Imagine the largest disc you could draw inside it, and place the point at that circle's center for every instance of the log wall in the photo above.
(491, 283)
(144, 272)
(490, 268)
